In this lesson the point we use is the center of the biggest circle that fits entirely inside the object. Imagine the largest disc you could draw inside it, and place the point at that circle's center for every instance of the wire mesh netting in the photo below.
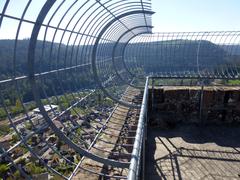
(55, 120)
(185, 54)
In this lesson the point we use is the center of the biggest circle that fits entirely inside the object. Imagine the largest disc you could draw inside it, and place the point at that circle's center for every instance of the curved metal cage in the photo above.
(72, 78)
(211, 55)
(56, 55)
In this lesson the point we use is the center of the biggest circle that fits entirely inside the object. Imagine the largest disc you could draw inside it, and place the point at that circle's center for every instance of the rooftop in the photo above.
(193, 152)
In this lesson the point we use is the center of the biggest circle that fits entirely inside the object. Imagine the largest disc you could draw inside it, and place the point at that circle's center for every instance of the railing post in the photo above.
(144, 140)
(152, 92)
(201, 105)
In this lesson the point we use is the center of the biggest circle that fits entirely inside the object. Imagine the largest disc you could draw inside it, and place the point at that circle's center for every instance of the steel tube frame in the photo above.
(134, 167)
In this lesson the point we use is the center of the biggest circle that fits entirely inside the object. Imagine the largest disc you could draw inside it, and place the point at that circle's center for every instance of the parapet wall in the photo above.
(210, 105)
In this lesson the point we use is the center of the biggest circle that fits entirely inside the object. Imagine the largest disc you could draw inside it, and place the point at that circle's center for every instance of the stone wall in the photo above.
(212, 105)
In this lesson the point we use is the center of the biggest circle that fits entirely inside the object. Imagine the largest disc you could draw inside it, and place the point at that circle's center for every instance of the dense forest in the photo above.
(177, 53)
(73, 80)
(181, 55)
(48, 56)
(152, 56)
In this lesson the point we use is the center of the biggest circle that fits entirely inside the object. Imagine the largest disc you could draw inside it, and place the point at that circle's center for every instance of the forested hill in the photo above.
(43, 61)
(233, 49)
(179, 52)
(180, 55)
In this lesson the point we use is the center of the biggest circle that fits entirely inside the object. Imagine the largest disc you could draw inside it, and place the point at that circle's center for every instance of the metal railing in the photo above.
(139, 145)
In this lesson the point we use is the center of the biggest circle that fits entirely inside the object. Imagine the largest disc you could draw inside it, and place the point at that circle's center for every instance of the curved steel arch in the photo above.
(32, 46)
(114, 51)
(74, 63)
(94, 53)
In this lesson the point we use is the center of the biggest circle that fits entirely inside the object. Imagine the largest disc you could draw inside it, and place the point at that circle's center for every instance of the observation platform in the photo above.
(193, 152)
(193, 133)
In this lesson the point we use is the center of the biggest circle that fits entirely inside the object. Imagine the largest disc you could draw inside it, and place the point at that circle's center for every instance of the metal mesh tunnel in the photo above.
(71, 82)
(61, 56)
(185, 55)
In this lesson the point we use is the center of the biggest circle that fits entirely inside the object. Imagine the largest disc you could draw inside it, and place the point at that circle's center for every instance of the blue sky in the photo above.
(196, 15)
(170, 16)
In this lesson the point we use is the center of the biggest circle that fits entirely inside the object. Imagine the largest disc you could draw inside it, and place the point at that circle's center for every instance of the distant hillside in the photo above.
(43, 61)
(177, 55)
(159, 54)
(232, 49)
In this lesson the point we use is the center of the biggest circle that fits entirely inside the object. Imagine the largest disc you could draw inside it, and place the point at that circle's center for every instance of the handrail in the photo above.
(139, 138)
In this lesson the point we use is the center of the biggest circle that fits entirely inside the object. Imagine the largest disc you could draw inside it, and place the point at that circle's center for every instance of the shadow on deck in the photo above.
(193, 152)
